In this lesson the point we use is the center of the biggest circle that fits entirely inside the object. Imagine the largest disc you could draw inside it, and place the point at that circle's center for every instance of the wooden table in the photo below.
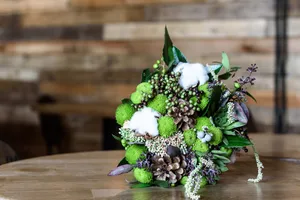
(83, 176)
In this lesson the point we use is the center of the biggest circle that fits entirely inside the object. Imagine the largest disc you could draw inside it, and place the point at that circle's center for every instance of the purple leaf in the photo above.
(121, 170)
(245, 109)
(239, 113)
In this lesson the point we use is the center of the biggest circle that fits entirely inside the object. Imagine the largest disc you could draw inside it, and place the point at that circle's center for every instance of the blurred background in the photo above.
(66, 64)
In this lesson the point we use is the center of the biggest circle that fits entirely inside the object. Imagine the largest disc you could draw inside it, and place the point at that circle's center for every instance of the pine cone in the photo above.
(168, 169)
(184, 115)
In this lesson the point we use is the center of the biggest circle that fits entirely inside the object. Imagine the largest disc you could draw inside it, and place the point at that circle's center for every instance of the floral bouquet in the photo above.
(183, 125)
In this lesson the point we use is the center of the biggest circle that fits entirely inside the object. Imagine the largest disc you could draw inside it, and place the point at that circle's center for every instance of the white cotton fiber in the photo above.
(191, 74)
(145, 121)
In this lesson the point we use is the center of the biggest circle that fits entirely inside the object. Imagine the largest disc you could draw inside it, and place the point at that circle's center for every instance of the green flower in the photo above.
(133, 153)
(159, 104)
(203, 103)
(204, 88)
(137, 97)
(202, 121)
(144, 88)
(189, 137)
(183, 180)
(166, 126)
(124, 112)
(200, 146)
(217, 135)
(142, 175)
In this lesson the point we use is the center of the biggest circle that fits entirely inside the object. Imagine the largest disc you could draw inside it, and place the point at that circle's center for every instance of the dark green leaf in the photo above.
(116, 137)
(179, 55)
(229, 132)
(124, 101)
(234, 69)
(146, 75)
(123, 162)
(237, 141)
(163, 184)
(250, 95)
(167, 47)
(215, 99)
(219, 163)
(225, 61)
(141, 185)
(218, 69)
(235, 125)
(225, 76)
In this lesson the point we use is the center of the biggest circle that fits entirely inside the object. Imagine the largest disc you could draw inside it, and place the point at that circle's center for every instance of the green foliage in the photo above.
(137, 97)
(133, 153)
(183, 180)
(205, 89)
(237, 141)
(250, 95)
(159, 104)
(166, 126)
(214, 101)
(227, 151)
(200, 146)
(116, 137)
(225, 61)
(128, 101)
(203, 182)
(123, 162)
(146, 75)
(142, 175)
(234, 125)
(189, 137)
(144, 87)
(124, 112)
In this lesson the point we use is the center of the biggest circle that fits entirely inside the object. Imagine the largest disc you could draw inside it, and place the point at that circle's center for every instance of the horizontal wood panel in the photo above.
(78, 17)
(208, 10)
(206, 29)
(103, 3)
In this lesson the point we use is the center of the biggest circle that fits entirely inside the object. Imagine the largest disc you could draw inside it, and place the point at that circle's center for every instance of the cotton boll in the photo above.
(200, 134)
(145, 121)
(207, 137)
(191, 74)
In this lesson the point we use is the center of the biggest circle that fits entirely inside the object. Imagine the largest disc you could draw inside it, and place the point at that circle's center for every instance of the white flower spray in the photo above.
(260, 166)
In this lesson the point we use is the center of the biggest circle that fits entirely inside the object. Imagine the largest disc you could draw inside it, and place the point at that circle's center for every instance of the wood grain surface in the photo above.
(84, 176)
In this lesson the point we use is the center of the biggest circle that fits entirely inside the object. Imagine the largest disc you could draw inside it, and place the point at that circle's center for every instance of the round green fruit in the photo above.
(189, 137)
(159, 104)
(133, 153)
(124, 112)
(142, 175)
(200, 146)
(137, 97)
(166, 126)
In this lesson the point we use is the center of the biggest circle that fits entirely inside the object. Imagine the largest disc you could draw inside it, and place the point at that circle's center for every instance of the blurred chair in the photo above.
(52, 127)
(7, 154)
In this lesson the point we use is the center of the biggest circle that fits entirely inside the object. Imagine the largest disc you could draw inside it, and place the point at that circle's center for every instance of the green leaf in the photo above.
(223, 158)
(125, 101)
(225, 76)
(224, 169)
(199, 154)
(220, 163)
(225, 61)
(235, 125)
(250, 95)
(218, 69)
(215, 99)
(234, 69)
(229, 132)
(123, 162)
(225, 141)
(219, 152)
(163, 184)
(237, 141)
(167, 47)
(116, 137)
(146, 75)
(179, 55)
(141, 185)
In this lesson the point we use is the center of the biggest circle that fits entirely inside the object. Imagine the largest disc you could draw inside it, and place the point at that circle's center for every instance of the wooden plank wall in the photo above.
(73, 50)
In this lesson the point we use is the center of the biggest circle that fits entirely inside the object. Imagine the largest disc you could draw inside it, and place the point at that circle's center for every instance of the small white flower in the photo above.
(200, 134)
(145, 121)
(191, 74)
(207, 137)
